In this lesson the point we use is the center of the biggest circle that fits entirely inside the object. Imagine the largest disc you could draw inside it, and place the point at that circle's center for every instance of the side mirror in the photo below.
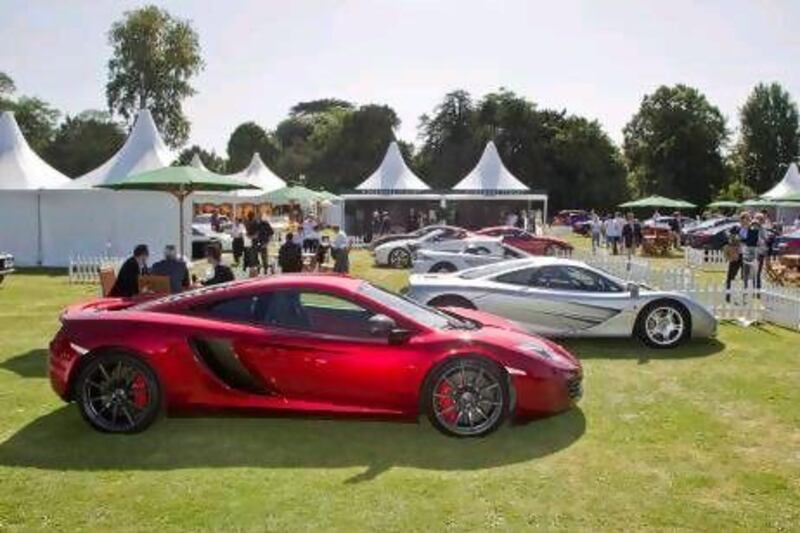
(633, 288)
(381, 325)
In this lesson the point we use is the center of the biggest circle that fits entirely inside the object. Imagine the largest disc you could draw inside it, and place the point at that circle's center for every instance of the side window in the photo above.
(551, 277)
(570, 278)
(517, 277)
(316, 311)
(240, 309)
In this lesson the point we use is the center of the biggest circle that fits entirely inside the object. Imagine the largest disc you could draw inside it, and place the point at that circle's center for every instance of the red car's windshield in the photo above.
(422, 314)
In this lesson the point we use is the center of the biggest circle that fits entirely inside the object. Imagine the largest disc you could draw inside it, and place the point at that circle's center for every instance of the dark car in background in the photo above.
(6, 265)
(788, 244)
(713, 238)
(704, 225)
(569, 217)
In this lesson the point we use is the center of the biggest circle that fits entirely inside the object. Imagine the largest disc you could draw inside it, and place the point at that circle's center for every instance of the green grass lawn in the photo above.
(704, 437)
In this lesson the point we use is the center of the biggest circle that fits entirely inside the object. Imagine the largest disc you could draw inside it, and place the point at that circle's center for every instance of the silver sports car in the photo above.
(564, 298)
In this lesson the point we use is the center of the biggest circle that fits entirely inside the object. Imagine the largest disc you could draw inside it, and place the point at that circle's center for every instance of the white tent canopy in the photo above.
(196, 162)
(20, 167)
(490, 175)
(258, 173)
(143, 150)
(790, 184)
(393, 174)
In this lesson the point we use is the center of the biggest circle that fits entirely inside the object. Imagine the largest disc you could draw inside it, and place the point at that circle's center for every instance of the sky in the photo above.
(595, 58)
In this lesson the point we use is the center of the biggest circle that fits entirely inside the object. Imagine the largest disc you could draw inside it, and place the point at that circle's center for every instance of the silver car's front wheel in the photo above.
(399, 258)
(663, 325)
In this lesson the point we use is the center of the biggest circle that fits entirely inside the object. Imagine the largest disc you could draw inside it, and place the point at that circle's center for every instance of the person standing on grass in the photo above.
(290, 256)
(733, 253)
(340, 249)
(631, 234)
(614, 232)
(237, 233)
(596, 227)
(127, 283)
(264, 234)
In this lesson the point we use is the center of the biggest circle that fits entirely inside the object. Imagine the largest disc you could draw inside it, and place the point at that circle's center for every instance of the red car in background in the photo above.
(527, 242)
(306, 344)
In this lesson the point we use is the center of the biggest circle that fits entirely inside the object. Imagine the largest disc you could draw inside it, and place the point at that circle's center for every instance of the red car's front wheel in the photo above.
(467, 397)
(118, 393)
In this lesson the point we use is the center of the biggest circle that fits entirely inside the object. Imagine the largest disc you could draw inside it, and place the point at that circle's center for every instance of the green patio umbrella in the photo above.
(656, 201)
(325, 195)
(759, 202)
(724, 203)
(179, 182)
(292, 194)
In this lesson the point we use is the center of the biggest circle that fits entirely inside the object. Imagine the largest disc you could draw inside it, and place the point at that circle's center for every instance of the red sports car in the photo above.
(305, 344)
(527, 242)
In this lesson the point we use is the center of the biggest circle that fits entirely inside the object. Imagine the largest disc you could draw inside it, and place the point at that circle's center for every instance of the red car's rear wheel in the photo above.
(467, 397)
(118, 393)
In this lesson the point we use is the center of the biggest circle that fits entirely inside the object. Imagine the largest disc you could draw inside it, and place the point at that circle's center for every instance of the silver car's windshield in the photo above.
(418, 312)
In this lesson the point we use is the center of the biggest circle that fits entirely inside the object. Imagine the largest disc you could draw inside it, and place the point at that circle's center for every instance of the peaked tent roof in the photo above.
(258, 173)
(196, 162)
(144, 150)
(490, 174)
(788, 186)
(393, 174)
(20, 166)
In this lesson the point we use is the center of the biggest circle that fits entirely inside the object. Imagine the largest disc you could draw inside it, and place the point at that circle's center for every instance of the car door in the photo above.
(317, 346)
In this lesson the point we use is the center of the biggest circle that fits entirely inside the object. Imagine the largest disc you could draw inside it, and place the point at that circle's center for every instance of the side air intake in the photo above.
(220, 359)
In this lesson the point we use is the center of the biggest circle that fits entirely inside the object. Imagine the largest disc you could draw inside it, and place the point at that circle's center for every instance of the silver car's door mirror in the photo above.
(633, 288)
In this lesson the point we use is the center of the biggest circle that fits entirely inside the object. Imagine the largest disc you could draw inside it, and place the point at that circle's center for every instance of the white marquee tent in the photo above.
(789, 185)
(196, 162)
(490, 174)
(393, 174)
(20, 167)
(49, 226)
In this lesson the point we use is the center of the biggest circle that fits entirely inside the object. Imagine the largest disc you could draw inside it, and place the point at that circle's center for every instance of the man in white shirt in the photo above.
(340, 249)
(614, 232)
(596, 227)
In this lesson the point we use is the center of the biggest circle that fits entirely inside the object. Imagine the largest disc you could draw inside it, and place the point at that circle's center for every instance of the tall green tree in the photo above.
(673, 145)
(210, 159)
(154, 58)
(247, 139)
(450, 141)
(770, 136)
(84, 142)
(7, 86)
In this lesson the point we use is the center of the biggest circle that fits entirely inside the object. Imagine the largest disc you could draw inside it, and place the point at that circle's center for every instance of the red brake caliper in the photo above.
(445, 404)
(139, 391)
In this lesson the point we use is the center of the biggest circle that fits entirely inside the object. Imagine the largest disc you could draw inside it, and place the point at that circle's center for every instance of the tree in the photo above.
(770, 138)
(7, 85)
(211, 160)
(84, 142)
(247, 139)
(673, 145)
(451, 143)
(154, 57)
(735, 191)
(36, 118)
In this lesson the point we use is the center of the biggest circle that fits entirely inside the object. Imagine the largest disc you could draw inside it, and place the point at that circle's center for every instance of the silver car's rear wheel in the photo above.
(663, 325)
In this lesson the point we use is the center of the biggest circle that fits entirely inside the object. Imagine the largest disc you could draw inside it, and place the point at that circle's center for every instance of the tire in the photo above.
(399, 258)
(656, 324)
(451, 300)
(466, 397)
(118, 393)
(442, 267)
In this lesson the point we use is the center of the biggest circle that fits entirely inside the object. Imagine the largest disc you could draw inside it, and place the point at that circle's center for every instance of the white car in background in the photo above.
(470, 255)
(203, 233)
(399, 254)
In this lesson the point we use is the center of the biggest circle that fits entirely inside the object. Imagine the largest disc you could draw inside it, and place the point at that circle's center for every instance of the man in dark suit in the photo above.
(127, 283)
(290, 255)
(221, 273)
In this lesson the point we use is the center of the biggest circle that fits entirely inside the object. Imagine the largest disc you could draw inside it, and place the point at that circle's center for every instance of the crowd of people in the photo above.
(251, 236)
(617, 233)
(748, 248)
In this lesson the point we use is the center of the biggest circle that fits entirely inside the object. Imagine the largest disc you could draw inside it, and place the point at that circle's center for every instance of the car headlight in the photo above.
(536, 349)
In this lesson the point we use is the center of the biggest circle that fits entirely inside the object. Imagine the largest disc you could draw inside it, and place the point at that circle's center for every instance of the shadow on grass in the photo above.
(633, 349)
(52, 272)
(31, 364)
(62, 441)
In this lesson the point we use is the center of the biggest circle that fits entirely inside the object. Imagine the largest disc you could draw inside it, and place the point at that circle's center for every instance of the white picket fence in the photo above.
(705, 259)
(86, 269)
(777, 305)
